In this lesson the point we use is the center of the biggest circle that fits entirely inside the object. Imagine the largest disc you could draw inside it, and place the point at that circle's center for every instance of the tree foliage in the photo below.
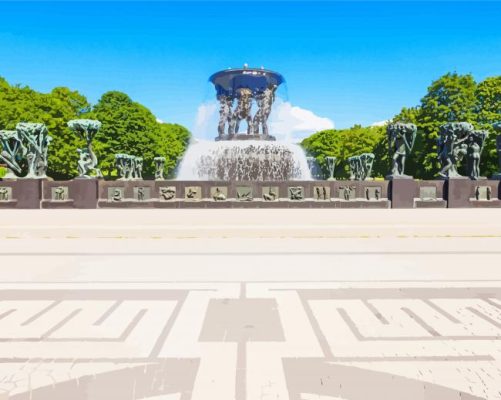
(451, 98)
(346, 143)
(127, 127)
(54, 109)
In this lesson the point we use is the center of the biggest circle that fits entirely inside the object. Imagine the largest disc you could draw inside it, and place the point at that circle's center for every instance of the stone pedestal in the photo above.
(20, 193)
(361, 194)
(402, 193)
(405, 193)
(77, 193)
(237, 194)
(398, 193)
(463, 193)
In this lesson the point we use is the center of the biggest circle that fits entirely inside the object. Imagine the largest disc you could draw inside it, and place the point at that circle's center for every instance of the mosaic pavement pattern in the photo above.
(246, 341)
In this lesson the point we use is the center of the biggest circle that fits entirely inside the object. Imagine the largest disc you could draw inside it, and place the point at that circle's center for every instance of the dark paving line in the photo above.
(40, 313)
(241, 378)
(402, 292)
(348, 321)
(421, 322)
(140, 360)
(7, 313)
(492, 303)
(155, 351)
(249, 254)
(354, 329)
(441, 311)
(86, 294)
(132, 325)
(484, 317)
(375, 311)
(60, 324)
(414, 358)
(45, 338)
(322, 340)
(108, 312)
(297, 281)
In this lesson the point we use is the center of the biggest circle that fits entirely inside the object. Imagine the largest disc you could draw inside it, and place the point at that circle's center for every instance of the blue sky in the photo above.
(351, 62)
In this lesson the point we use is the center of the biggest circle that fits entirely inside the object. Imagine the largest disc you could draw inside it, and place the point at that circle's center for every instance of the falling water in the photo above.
(249, 160)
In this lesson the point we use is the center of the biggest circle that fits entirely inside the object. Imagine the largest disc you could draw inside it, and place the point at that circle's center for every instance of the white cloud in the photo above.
(286, 122)
(381, 123)
(295, 123)
(160, 121)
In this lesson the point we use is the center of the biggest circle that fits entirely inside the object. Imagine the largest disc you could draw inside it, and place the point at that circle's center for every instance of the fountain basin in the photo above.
(244, 160)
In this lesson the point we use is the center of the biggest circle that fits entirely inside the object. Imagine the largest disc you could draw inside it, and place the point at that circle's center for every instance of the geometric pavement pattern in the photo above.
(299, 341)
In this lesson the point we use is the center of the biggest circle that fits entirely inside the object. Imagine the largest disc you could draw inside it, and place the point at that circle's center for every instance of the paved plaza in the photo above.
(250, 304)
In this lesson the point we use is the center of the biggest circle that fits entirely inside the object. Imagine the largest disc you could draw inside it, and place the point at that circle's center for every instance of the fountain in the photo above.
(252, 155)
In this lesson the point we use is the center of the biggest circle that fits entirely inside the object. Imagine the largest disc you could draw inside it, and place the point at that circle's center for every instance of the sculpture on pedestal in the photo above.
(124, 166)
(361, 166)
(331, 165)
(459, 140)
(87, 163)
(137, 168)
(37, 141)
(401, 138)
(159, 168)
(129, 167)
(13, 151)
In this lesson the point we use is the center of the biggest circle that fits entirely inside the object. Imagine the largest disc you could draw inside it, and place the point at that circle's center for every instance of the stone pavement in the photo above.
(250, 304)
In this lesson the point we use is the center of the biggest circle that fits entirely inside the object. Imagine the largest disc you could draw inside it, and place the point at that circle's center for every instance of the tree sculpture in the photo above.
(124, 166)
(331, 165)
(361, 166)
(459, 140)
(37, 141)
(129, 167)
(159, 168)
(138, 168)
(401, 138)
(13, 151)
(86, 129)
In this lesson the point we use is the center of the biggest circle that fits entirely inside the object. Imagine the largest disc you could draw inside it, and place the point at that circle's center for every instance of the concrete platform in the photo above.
(246, 304)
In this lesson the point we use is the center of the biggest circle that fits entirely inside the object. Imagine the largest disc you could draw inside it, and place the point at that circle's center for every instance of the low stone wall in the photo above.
(399, 193)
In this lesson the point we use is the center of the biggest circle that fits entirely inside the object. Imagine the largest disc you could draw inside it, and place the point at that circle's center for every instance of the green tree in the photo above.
(23, 104)
(128, 127)
(173, 141)
(488, 111)
(345, 143)
(451, 98)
